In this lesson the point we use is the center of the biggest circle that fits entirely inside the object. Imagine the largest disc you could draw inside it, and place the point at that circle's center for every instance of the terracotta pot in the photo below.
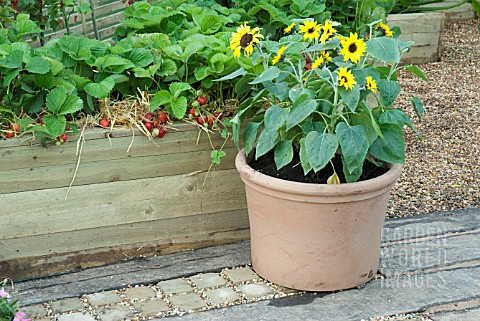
(315, 237)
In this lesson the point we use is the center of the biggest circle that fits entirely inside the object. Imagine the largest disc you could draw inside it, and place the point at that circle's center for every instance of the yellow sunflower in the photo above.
(384, 29)
(327, 32)
(318, 62)
(244, 38)
(353, 48)
(310, 29)
(289, 28)
(279, 56)
(346, 78)
(326, 55)
(371, 84)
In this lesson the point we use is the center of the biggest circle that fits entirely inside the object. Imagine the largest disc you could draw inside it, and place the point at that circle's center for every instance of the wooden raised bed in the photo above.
(122, 205)
(425, 29)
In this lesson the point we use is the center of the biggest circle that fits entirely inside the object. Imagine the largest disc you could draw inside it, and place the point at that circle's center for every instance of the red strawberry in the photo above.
(62, 138)
(104, 122)
(155, 132)
(218, 115)
(162, 132)
(162, 117)
(202, 100)
(15, 127)
(308, 66)
(210, 120)
(192, 112)
(9, 134)
(156, 123)
(149, 116)
(149, 126)
(202, 120)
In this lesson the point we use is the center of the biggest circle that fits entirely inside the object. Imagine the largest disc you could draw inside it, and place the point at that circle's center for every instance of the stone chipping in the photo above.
(442, 171)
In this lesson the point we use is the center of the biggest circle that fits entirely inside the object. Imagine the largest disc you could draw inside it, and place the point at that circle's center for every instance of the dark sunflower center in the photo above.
(311, 30)
(344, 79)
(352, 48)
(382, 32)
(246, 40)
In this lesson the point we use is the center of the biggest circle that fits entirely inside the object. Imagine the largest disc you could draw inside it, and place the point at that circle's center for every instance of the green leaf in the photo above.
(14, 59)
(384, 49)
(101, 89)
(389, 91)
(365, 121)
(25, 27)
(279, 89)
(177, 88)
(161, 98)
(283, 154)
(78, 48)
(56, 98)
(249, 136)
(178, 106)
(269, 74)
(141, 57)
(208, 24)
(72, 104)
(235, 74)
(303, 107)
(417, 106)
(266, 141)
(416, 71)
(391, 148)
(320, 148)
(113, 63)
(38, 65)
(55, 124)
(275, 117)
(395, 116)
(216, 156)
(303, 157)
(353, 143)
(350, 97)
(353, 176)
(9, 76)
(167, 68)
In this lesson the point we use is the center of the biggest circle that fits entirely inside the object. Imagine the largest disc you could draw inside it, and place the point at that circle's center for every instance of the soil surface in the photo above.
(294, 171)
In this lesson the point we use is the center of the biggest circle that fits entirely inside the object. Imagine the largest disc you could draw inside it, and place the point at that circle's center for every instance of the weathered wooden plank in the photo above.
(423, 39)
(97, 148)
(98, 133)
(108, 204)
(430, 22)
(86, 248)
(123, 169)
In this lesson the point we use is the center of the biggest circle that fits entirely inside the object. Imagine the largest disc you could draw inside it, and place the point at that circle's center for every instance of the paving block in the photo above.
(207, 280)
(114, 313)
(255, 291)
(67, 305)
(35, 311)
(42, 319)
(222, 296)
(175, 286)
(104, 298)
(241, 275)
(76, 316)
(151, 307)
(188, 301)
(140, 292)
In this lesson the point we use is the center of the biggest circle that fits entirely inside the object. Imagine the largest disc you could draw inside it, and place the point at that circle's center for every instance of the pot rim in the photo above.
(249, 174)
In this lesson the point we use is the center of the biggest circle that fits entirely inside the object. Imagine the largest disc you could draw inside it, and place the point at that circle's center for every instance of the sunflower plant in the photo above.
(318, 92)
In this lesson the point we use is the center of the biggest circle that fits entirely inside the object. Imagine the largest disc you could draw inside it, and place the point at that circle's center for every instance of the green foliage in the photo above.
(303, 102)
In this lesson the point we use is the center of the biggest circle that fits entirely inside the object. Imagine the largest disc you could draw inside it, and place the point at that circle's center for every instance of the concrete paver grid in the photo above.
(140, 293)
(151, 307)
(103, 298)
(240, 275)
(67, 305)
(175, 286)
(222, 296)
(208, 280)
(188, 302)
(117, 312)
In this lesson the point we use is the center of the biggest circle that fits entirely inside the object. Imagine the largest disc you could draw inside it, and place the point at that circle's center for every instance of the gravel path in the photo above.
(442, 171)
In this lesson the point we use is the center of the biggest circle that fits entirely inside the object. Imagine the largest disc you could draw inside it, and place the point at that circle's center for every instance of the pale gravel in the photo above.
(442, 172)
